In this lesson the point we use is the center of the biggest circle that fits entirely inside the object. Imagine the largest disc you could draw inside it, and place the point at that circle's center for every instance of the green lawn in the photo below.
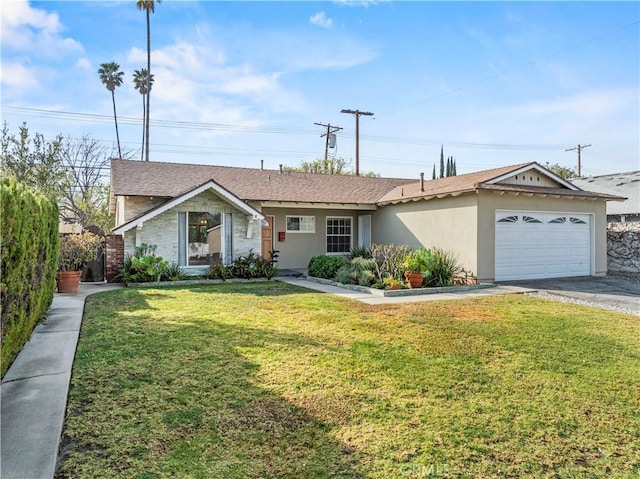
(266, 380)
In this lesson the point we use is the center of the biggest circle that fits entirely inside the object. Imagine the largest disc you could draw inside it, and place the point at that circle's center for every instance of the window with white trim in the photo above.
(301, 224)
(339, 234)
(199, 237)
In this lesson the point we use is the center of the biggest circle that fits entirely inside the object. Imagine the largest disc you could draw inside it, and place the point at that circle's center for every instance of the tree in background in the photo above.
(111, 77)
(149, 7)
(34, 161)
(449, 170)
(71, 171)
(143, 83)
(330, 166)
(85, 199)
(562, 171)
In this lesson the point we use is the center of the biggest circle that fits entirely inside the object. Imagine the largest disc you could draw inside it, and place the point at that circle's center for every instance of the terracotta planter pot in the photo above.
(414, 279)
(68, 281)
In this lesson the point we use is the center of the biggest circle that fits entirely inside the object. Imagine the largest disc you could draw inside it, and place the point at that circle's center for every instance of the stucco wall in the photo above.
(162, 230)
(488, 203)
(299, 248)
(448, 223)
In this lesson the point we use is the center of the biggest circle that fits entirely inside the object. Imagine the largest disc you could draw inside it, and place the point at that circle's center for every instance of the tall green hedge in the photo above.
(29, 249)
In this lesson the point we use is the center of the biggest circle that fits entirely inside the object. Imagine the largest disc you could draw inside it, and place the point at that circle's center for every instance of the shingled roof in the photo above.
(144, 178)
(485, 180)
(170, 180)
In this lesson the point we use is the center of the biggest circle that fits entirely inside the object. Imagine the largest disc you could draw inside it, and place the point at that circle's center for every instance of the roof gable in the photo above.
(209, 185)
(532, 175)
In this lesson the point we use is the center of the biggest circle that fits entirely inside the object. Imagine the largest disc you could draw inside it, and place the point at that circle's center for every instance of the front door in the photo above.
(267, 238)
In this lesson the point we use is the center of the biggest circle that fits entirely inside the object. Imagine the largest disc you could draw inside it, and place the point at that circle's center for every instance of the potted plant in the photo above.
(392, 283)
(417, 266)
(76, 250)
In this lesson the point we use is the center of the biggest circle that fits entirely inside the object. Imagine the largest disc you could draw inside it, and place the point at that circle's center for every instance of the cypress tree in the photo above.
(453, 169)
(448, 166)
(441, 161)
(434, 172)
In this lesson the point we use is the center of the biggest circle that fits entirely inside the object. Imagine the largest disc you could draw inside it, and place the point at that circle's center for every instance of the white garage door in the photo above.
(542, 245)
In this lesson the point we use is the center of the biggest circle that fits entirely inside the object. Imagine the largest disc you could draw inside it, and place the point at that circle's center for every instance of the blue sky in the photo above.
(497, 83)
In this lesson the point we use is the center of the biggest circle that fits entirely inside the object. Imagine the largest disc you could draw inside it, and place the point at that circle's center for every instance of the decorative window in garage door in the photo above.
(571, 219)
(508, 219)
(521, 219)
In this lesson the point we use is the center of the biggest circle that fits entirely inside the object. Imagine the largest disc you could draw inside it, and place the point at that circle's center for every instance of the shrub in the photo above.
(219, 271)
(325, 266)
(253, 266)
(143, 269)
(358, 271)
(359, 252)
(444, 268)
(345, 275)
(144, 266)
(392, 283)
(173, 272)
(420, 260)
(76, 250)
(388, 260)
(29, 260)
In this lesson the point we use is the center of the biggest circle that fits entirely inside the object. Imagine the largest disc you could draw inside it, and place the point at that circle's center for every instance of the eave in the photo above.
(317, 205)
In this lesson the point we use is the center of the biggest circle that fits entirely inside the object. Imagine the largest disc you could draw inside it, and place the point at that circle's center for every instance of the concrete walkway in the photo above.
(34, 390)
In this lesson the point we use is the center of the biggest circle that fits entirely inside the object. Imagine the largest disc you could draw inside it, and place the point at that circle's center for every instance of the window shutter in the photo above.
(364, 231)
(182, 239)
(228, 238)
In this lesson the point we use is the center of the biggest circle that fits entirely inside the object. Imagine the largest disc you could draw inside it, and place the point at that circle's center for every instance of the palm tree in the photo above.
(111, 77)
(143, 85)
(149, 7)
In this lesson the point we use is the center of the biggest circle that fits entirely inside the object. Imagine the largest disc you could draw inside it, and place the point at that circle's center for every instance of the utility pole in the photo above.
(357, 114)
(330, 130)
(579, 148)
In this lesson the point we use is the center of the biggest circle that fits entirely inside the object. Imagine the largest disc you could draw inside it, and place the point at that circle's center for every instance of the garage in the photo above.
(533, 245)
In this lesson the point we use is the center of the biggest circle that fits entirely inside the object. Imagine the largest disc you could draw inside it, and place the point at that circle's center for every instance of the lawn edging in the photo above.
(401, 292)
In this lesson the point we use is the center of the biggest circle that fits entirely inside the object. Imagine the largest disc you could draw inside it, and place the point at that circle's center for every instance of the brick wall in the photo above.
(114, 257)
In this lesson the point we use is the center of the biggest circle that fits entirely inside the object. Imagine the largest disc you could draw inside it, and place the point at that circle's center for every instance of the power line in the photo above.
(89, 117)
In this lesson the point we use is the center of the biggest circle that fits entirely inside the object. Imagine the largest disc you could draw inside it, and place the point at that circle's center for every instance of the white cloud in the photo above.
(252, 84)
(360, 3)
(585, 106)
(19, 76)
(320, 19)
(84, 64)
(28, 29)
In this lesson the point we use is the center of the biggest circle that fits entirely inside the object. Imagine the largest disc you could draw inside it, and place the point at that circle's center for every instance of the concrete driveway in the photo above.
(601, 292)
